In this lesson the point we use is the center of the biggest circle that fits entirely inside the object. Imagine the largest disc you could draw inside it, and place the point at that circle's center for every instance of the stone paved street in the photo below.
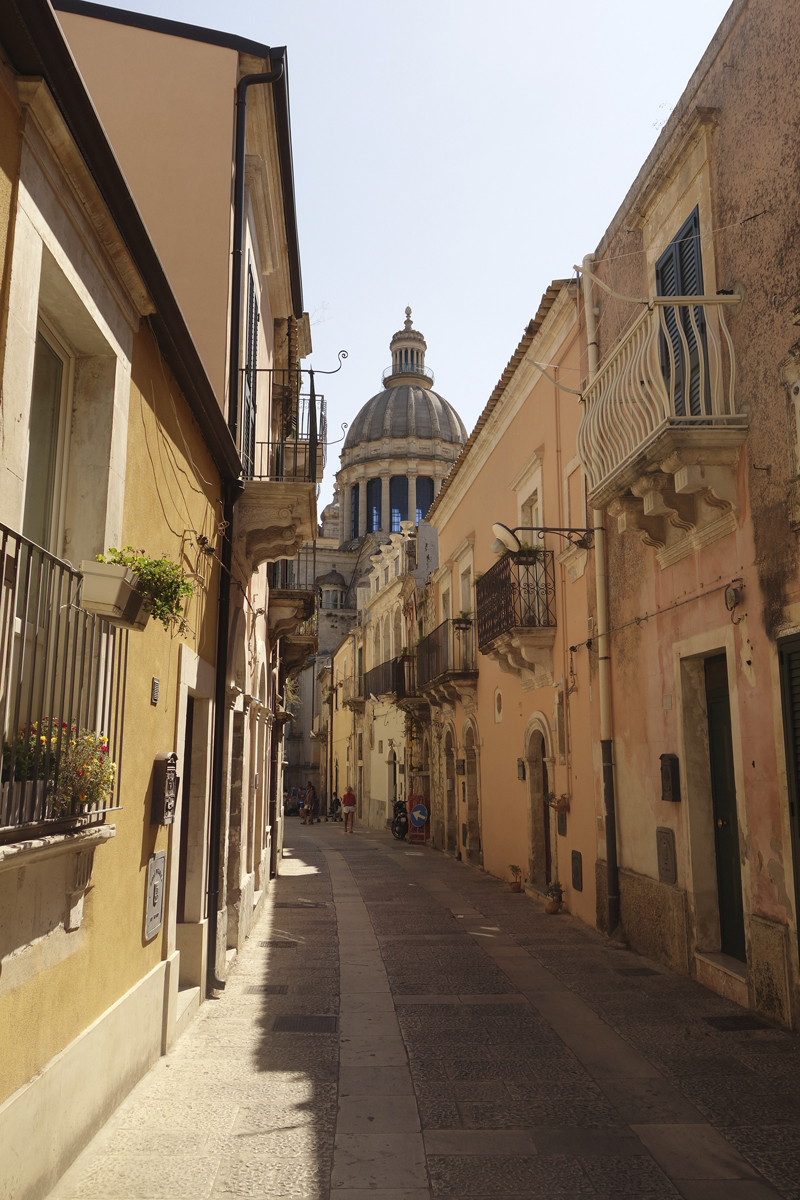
(484, 1049)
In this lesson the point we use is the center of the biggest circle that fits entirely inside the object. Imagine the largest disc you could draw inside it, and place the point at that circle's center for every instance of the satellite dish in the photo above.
(509, 540)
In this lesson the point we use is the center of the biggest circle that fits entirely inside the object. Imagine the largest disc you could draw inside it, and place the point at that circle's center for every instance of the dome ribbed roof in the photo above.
(406, 411)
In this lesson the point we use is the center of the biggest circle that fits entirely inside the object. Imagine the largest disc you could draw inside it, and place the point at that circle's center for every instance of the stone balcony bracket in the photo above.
(683, 503)
(456, 687)
(272, 519)
(526, 653)
(287, 609)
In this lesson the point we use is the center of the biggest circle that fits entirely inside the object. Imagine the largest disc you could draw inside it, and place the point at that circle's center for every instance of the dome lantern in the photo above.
(408, 348)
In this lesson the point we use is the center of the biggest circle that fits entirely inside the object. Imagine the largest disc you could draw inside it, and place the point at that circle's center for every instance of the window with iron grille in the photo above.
(250, 377)
(424, 496)
(374, 489)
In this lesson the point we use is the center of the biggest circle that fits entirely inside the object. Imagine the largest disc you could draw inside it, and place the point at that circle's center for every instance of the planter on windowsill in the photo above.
(110, 591)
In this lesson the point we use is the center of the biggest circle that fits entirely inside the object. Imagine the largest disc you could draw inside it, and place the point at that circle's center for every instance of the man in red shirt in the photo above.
(348, 808)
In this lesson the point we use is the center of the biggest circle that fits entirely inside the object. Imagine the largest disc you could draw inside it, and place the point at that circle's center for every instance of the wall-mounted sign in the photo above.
(165, 789)
(156, 886)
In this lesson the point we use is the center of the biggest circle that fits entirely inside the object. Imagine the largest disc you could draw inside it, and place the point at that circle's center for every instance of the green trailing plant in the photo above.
(162, 583)
(291, 694)
(516, 872)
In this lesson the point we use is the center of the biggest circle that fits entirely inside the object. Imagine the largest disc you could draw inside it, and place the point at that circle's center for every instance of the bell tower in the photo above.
(408, 348)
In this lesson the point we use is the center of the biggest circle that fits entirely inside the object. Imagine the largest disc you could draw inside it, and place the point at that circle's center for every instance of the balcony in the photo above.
(278, 511)
(517, 616)
(353, 692)
(660, 437)
(393, 679)
(395, 375)
(446, 666)
(62, 690)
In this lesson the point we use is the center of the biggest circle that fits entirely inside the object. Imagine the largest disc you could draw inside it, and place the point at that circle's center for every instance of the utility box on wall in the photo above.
(165, 789)
(156, 886)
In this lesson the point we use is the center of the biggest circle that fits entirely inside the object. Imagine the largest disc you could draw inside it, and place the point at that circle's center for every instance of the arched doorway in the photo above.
(472, 843)
(450, 803)
(539, 850)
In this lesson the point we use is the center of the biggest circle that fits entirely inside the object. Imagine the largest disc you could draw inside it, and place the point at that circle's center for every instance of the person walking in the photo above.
(312, 803)
(349, 808)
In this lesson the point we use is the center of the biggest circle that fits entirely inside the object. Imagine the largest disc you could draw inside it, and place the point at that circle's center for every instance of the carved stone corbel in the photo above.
(630, 518)
(84, 865)
(660, 499)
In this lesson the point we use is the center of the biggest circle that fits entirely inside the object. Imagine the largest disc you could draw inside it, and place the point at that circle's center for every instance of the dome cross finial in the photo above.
(408, 321)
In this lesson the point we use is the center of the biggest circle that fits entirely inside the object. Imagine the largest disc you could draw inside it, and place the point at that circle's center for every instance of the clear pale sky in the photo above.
(457, 155)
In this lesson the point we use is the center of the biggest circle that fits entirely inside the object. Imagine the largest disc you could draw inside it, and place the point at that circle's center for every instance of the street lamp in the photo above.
(506, 539)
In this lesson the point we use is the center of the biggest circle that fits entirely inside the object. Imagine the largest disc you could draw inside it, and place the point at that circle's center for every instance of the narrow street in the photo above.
(483, 1049)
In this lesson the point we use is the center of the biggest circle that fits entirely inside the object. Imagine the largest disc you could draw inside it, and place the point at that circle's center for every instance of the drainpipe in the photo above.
(232, 489)
(603, 652)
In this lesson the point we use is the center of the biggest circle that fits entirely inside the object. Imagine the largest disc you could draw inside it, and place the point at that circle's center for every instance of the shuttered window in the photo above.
(250, 376)
(679, 272)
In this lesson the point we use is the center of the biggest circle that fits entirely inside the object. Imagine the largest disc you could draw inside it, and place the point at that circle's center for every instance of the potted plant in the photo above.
(555, 897)
(516, 880)
(126, 588)
(463, 621)
(86, 772)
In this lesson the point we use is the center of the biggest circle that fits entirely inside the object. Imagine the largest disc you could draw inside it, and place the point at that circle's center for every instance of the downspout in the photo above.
(232, 489)
(603, 651)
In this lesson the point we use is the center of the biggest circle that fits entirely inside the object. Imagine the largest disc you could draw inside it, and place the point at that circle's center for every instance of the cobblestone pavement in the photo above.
(484, 1049)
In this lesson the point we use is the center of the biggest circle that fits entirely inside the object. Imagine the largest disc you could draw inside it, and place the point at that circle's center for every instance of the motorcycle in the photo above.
(400, 820)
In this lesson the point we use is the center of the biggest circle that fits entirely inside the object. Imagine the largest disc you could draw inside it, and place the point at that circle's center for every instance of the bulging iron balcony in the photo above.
(517, 615)
(393, 678)
(446, 667)
(660, 436)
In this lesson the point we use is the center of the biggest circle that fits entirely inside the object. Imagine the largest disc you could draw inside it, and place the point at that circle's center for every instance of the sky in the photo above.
(457, 156)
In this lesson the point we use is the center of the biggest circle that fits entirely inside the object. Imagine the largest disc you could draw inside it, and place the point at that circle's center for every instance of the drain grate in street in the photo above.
(302, 1023)
(279, 945)
(267, 989)
(635, 971)
(299, 904)
(734, 1024)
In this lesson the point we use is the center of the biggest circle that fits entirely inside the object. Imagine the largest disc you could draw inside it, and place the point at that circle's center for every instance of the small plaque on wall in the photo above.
(156, 886)
(577, 871)
(561, 822)
(667, 858)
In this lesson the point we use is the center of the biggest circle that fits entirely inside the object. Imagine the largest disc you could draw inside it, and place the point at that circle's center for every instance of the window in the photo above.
(679, 272)
(446, 605)
(250, 376)
(354, 511)
(373, 505)
(398, 501)
(46, 447)
(424, 496)
(466, 591)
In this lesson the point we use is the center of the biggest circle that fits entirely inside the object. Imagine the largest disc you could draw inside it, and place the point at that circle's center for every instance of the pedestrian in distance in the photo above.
(349, 808)
(301, 806)
(312, 804)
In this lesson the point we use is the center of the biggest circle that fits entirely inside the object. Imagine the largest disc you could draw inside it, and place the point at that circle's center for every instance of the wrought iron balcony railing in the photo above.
(671, 379)
(449, 649)
(395, 677)
(518, 592)
(62, 692)
(408, 369)
(297, 421)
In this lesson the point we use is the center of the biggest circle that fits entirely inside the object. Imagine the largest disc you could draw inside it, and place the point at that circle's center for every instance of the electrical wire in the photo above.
(657, 613)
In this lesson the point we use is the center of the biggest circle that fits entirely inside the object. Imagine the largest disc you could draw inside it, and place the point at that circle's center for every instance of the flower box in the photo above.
(110, 591)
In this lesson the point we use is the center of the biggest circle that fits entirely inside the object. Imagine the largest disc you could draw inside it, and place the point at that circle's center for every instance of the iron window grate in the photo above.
(267, 989)
(735, 1023)
(303, 1023)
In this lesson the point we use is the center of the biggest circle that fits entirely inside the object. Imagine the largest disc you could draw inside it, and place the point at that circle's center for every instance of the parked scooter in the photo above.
(400, 820)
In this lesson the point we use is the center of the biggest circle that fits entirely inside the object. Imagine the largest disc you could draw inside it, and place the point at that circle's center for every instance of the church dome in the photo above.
(332, 579)
(407, 407)
(406, 411)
